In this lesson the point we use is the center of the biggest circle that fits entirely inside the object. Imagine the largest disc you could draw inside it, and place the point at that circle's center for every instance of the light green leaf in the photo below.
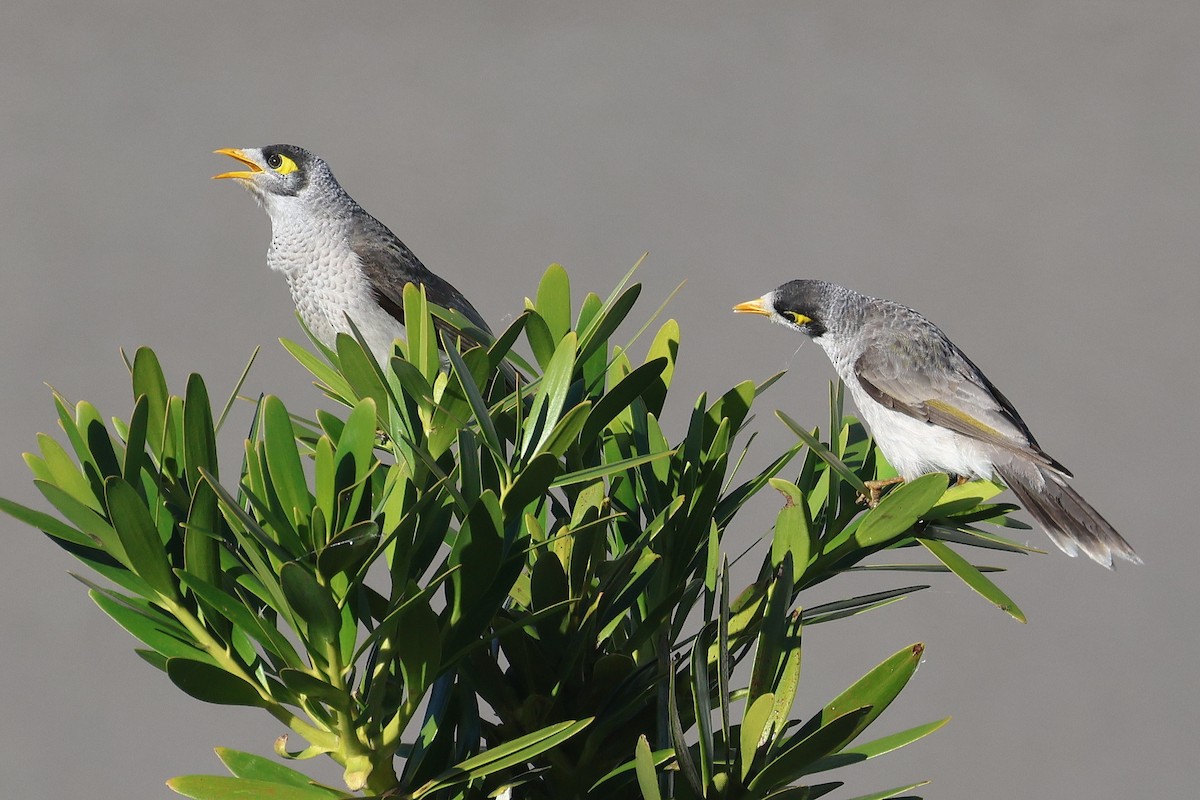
(219, 787)
(872, 692)
(611, 468)
(248, 765)
(878, 747)
(900, 509)
(554, 301)
(646, 777)
(884, 795)
(755, 730)
(973, 577)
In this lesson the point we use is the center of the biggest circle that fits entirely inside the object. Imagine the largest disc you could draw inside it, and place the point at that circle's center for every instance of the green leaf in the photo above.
(607, 321)
(554, 301)
(212, 684)
(644, 765)
(283, 459)
(84, 518)
(568, 427)
(550, 398)
(346, 551)
(796, 760)
(973, 577)
(248, 765)
(139, 536)
(313, 603)
(420, 337)
(219, 787)
(825, 454)
(620, 396)
(900, 509)
(66, 474)
(504, 756)
(962, 497)
(325, 374)
(148, 381)
(204, 533)
(47, 524)
(839, 609)
(611, 468)
(872, 692)
(149, 626)
(793, 535)
(199, 436)
(233, 609)
(878, 747)
(755, 731)
(308, 685)
(478, 407)
(884, 795)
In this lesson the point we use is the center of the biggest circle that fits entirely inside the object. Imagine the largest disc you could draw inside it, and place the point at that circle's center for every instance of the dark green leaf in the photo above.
(825, 454)
(506, 755)
(139, 536)
(199, 436)
(148, 381)
(212, 684)
(313, 603)
(797, 759)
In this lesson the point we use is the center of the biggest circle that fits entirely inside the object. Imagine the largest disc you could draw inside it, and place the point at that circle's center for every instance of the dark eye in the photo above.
(274, 161)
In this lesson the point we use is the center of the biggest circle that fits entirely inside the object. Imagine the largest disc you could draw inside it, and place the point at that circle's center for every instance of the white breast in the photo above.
(914, 447)
(326, 281)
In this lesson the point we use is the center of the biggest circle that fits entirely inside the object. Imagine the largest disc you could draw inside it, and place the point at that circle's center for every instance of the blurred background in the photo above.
(1026, 174)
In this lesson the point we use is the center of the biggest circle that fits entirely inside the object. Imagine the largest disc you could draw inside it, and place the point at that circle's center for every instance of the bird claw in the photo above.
(875, 489)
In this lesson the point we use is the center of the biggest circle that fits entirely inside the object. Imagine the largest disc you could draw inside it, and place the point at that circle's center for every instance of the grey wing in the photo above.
(915, 369)
(389, 265)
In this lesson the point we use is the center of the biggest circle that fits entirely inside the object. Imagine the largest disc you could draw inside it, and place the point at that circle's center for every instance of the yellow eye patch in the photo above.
(286, 165)
(797, 317)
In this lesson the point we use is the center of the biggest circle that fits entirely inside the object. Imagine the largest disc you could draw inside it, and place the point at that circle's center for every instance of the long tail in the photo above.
(1068, 519)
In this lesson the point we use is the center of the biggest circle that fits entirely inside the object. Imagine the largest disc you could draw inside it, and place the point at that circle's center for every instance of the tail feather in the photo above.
(1070, 522)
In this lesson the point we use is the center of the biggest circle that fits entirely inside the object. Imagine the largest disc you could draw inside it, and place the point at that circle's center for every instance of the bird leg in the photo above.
(875, 488)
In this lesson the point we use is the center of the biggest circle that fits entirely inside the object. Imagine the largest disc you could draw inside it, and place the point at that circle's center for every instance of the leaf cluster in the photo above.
(490, 575)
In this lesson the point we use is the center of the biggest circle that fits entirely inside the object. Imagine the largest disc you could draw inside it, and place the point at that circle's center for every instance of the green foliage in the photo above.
(487, 573)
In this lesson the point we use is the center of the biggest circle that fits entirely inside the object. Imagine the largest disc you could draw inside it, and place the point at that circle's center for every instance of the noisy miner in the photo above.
(931, 409)
(339, 261)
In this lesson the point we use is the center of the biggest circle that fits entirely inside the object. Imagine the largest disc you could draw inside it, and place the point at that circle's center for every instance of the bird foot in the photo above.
(875, 489)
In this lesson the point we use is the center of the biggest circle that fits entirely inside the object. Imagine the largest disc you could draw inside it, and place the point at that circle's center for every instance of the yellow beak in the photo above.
(756, 306)
(245, 175)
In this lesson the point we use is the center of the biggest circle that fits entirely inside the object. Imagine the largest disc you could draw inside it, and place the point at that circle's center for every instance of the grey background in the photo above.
(1024, 173)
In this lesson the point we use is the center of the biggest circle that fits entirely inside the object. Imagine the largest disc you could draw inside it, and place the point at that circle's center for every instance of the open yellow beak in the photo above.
(245, 175)
(756, 306)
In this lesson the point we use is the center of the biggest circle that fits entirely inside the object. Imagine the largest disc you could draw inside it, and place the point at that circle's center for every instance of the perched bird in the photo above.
(931, 409)
(339, 261)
